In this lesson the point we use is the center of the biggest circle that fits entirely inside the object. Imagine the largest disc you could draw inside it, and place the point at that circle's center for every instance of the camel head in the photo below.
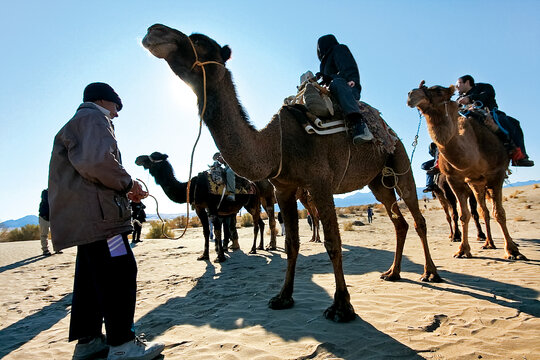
(182, 52)
(434, 95)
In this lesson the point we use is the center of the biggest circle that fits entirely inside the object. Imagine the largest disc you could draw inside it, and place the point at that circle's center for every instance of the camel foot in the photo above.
(220, 259)
(389, 276)
(489, 246)
(203, 257)
(279, 303)
(481, 237)
(253, 251)
(462, 253)
(269, 248)
(233, 248)
(343, 313)
(456, 240)
(260, 247)
(431, 277)
(516, 255)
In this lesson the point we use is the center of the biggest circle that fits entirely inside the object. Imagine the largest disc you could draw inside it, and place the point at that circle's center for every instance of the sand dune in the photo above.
(487, 307)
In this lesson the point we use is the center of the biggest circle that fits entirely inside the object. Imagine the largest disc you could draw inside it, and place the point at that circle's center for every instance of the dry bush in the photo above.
(528, 206)
(519, 218)
(302, 214)
(536, 186)
(158, 230)
(178, 222)
(246, 220)
(349, 210)
(348, 226)
(27, 232)
(505, 198)
(515, 194)
(3, 234)
(195, 222)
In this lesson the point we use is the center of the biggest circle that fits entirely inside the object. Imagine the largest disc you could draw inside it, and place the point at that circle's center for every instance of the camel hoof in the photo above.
(270, 248)
(390, 277)
(278, 303)
(456, 240)
(429, 277)
(253, 251)
(336, 314)
(203, 257)
(234, 248)
(260, 247)
(481, 237)
(220, 259)
(461, 254)
(488, 246)
(517, 256)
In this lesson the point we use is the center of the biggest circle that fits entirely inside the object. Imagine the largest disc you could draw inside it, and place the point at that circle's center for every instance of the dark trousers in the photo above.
(347, 96)
(512, 128)
(104, 290)
(136, 232)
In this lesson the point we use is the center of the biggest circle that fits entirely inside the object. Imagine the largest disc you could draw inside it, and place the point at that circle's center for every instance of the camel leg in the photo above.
(203, 216)
(341, 310)
(261, 231)
(217, 239)
(479, 191)
(460, 189)
(510, 247)
(316, 227)
(473, 204)
(269, 208)
(450, 211)
(287, 203)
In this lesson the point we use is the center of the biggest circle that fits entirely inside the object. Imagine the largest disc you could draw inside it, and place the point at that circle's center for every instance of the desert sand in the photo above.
(486, 308)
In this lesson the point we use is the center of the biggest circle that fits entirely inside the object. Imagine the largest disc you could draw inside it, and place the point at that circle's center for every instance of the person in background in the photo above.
(44, 223)
(138, 216)
(370, 214)
(89, 207)
(339, 71)
(432, 168)
(230, 176)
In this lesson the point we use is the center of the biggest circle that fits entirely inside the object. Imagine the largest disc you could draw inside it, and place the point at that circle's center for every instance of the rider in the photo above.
(471, 92)
(339, 70)
(230, 175)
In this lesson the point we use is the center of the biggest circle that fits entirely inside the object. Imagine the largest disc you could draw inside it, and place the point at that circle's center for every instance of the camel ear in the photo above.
(452, 89)
(225, 53)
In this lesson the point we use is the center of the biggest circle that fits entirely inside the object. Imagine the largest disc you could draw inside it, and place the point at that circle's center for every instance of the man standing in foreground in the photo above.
(89, 208)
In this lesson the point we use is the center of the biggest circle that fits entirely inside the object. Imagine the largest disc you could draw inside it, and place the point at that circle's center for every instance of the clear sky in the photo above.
(52, 49)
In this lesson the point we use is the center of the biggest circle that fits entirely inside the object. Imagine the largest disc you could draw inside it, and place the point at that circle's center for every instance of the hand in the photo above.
(351, 83)
(137, 193)
(464, 100)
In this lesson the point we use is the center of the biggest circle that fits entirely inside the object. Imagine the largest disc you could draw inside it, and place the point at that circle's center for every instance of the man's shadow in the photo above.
(233, 299)
(23, 262)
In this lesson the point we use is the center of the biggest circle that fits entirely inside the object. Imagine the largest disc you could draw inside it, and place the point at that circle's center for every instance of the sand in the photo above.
(487, 308)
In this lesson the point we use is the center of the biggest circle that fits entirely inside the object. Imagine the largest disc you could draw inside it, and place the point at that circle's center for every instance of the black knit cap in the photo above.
(101, 91)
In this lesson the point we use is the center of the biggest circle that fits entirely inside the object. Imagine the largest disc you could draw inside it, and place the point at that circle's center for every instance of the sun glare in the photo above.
(182, 95)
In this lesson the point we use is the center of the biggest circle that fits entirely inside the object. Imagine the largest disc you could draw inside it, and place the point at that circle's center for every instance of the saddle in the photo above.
(217, 183)
(324, 115)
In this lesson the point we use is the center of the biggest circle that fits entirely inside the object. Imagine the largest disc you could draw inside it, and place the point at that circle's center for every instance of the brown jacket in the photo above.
(87, 182)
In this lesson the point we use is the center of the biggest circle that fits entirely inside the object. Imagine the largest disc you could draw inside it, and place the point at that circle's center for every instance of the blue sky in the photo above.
(52, 50)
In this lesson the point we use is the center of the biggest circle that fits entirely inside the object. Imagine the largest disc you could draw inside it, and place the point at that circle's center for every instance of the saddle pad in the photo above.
(216, 185)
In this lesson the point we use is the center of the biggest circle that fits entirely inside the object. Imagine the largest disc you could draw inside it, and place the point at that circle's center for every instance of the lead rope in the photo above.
(389, 172)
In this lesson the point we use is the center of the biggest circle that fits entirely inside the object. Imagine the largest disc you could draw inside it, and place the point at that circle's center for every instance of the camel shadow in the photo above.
(238, 301)
(23, 262)
(24, 330)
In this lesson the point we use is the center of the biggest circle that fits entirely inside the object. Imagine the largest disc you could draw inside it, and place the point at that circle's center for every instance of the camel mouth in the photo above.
(141, 160)
(415, 98)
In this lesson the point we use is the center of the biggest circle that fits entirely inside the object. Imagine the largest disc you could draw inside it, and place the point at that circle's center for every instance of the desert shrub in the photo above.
(528, 206)
(27, 232)
(348, 226)
(536, 186)
(302, 214)
(3, 234)
(247, 220)
(158, 230)
(519, 218)
(195, 222)
(178, 222)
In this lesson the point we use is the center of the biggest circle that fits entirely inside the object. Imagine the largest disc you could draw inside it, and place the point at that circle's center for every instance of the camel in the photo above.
(202, 199)
(284, 153)
(474, 158)
(306, 200)
(448, 201)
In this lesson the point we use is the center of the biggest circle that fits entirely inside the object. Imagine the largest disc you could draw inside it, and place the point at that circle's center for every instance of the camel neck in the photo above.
(174, 189)
(251, 153)
(441, 122)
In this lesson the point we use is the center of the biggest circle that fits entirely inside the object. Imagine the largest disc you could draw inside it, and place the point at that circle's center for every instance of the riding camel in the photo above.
(473, 158)
(284, 153)
(201, 199)
(448, 201)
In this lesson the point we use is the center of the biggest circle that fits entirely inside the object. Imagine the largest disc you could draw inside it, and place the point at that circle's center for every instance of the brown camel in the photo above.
(448, 201)
(284, 153)
(473, 157)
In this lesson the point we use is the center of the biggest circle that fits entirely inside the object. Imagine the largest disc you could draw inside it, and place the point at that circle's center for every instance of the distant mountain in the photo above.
(523, 183)
(27, 220)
